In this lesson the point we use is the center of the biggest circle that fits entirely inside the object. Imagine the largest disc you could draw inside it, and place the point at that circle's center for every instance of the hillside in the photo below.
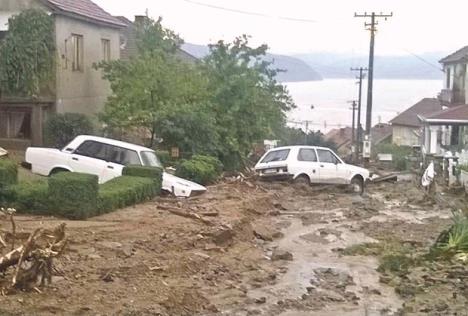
(330, 65)
(295, 68)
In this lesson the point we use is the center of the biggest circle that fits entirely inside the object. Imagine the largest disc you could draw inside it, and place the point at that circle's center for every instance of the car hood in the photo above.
(180, 187)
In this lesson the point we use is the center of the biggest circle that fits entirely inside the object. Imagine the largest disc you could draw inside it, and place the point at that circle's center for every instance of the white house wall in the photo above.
(406, 136)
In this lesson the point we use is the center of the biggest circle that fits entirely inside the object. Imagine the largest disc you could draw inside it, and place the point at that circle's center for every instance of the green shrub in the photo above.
(200, 169)
(399, 154)
(455, 239)
(8, 173)
(143, 171)
(61, 129)
(126, 190)
(29, 197)
(164, 156)
(74, 195)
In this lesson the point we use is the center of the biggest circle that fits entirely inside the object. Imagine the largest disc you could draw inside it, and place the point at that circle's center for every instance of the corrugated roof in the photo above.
(86, 9)
(424, 107)
(458, 113)
(459, 55)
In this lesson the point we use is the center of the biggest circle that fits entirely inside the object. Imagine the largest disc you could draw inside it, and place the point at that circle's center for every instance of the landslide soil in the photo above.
(149, 260)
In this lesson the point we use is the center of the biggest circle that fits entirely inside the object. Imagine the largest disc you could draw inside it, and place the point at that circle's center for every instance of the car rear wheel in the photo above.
(58, 170)
(357, 185)
(302, 180)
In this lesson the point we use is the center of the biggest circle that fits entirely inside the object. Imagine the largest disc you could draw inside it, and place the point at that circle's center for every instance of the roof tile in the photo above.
(424, 107)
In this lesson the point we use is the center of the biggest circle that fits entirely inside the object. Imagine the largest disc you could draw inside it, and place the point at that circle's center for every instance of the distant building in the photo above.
(84, 34)
(342, 137)
(407, 128)
(455, 82)
(381, 133)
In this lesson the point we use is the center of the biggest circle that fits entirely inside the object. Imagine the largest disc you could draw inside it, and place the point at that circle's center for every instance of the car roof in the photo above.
(298, 146)
(110, 141)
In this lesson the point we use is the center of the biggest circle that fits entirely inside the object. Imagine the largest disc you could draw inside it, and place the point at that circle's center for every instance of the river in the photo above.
(330, 100)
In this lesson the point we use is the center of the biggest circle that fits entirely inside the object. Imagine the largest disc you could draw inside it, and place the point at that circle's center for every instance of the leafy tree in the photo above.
(296, 136)
(27, 54)
(249, 105)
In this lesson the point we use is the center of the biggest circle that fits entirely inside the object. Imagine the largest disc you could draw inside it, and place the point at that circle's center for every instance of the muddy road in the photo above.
(253, 249)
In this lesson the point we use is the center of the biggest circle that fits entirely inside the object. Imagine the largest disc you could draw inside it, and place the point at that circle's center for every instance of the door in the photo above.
(307, 163)
(328, 166)
(89, 157)
(117, 158)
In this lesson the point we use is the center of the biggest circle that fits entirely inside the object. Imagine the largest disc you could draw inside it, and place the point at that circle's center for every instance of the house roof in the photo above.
(381, 132)
(458, 114)
(85, 9)
(340, 136)
(424, 107)
(459, 55)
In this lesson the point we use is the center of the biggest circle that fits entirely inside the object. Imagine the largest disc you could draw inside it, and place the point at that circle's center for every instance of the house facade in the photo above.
(407, 129)
(84, 35)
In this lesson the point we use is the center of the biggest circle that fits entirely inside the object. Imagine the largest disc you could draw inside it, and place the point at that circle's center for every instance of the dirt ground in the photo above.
(254, 249)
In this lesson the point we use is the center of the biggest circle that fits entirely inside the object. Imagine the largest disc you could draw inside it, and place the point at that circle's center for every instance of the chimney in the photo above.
(140, 19)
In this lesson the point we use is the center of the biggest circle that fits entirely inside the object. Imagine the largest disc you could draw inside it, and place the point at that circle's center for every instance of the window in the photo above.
(327, 156)
(92, 149)
(448, 78)
(106, 50)
(122, 156)
(150, 159)
(15, 123)
(77, 61)
(307, 154)
(277, 155)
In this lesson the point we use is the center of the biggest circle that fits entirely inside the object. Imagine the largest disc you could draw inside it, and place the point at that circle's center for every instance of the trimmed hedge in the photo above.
(200, 169)
(8, 173)
(125, 191)
(29, 197)
(74, 195)
(143, 171)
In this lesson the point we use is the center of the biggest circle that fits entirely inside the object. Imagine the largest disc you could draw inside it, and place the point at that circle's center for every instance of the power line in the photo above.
(263, 15)
(424, 60)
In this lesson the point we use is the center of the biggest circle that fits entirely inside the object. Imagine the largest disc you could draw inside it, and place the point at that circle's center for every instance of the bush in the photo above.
(61, 129)
(143, 171)
(126, 190)
(200, 169)
(455, 239)
(8, 173)
(29, 197)
(164, 156)
(74, 195)
(399, 154)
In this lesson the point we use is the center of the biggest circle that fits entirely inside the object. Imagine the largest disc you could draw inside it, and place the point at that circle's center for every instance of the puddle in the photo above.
(314, 254)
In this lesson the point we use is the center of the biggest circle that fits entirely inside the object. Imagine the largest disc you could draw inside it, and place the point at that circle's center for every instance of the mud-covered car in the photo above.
(310, 164)
(105, 158)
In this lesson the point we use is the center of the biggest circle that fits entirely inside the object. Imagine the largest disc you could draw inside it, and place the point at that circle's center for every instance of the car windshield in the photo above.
(276, 155)
(150, 159)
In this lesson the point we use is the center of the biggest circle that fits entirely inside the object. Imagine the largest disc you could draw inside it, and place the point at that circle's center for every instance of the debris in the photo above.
(281, 255)
(3, 152)
(223, 236)
(190, 215)
(389, 177)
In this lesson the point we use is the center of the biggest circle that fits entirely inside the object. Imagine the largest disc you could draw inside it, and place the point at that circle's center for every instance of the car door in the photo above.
(307, 163)
(89, 157)
(328, 163)
(117, 158)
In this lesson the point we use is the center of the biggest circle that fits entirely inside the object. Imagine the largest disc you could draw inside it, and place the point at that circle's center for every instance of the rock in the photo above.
(201, 255)
(274, 213)
(93, 256)
(281, 255)
(223, 237)
(261, 300)
(262, 232)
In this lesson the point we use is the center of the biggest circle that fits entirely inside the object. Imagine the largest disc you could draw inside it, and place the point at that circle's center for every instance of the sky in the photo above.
(304, 26)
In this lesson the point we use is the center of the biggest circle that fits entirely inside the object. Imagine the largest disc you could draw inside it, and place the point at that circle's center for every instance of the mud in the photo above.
(145, 260)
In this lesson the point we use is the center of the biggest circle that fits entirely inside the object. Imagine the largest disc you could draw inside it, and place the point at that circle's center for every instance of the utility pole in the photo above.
(362, 75)
(353, 126)
(372, 27)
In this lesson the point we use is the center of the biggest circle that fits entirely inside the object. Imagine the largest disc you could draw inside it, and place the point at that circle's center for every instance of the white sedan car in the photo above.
(310, 164)
(105, 158)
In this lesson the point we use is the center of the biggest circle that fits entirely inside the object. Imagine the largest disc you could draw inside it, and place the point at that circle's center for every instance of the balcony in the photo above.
(451, 97)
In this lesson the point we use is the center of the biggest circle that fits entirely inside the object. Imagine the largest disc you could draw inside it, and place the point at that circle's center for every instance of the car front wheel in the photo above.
(357, 185)
(302, 180)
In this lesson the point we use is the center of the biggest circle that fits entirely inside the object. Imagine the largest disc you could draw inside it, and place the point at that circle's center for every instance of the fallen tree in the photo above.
(30, 256)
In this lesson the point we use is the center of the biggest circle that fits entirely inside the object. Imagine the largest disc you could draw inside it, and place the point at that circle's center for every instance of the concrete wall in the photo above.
(406, 136)
(82, 91)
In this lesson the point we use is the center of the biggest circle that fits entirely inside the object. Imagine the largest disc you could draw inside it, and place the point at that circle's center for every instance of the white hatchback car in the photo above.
(310, 164)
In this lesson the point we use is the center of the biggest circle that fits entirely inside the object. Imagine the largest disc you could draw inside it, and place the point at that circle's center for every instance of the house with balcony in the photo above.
(455, 87)
(84, 34)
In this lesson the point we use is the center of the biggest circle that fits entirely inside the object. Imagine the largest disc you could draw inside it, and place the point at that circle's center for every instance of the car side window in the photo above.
(276, 155)
(122, 156)
(307, 154)
(327, 156)
(91, 149)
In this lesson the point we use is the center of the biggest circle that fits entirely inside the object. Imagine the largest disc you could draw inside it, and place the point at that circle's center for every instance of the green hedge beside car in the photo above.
(200, 169)
(8, 173)
(79, 196)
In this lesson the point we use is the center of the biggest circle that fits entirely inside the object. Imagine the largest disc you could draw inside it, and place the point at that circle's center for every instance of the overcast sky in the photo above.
(329, 26)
